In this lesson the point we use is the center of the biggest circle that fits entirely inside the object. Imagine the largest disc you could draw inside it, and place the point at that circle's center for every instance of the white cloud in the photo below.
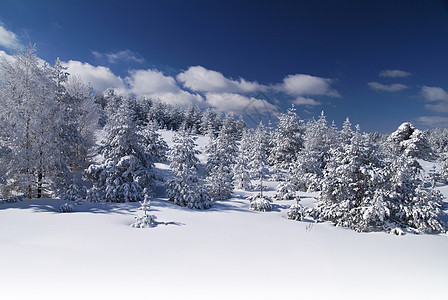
(239, 104)
(433, 121)
(394, 73)
(302, 84)
(124, 55)
(432, 93)
(387, 87)
(101, 78)
(306, 101)
(156, 85)
(8, 39)
(200, 79)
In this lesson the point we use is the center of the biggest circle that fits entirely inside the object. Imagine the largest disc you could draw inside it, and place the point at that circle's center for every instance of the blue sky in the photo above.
(379, 62)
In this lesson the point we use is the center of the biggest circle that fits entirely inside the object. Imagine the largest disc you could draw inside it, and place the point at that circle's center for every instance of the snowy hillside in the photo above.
(226, 252)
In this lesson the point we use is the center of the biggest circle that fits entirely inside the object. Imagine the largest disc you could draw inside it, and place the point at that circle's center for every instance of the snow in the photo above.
(226, 252)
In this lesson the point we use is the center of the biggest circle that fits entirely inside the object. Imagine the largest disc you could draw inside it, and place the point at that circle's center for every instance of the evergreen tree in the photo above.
(311, 161)
(126, 173)
(287, 139)
(185, 189)
(241, 171)
(222, 151)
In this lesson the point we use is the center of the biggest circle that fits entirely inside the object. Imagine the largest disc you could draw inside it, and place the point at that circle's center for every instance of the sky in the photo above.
(380, 63)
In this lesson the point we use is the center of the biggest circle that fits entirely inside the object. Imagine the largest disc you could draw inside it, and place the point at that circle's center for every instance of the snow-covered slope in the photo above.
(227, 252)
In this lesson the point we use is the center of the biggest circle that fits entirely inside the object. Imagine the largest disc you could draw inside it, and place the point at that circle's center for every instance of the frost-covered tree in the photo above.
(241, 170)
(365, 192)
(438, 139)
(87, 113)
(258, 156)
(287, 139)
(308, 168)
(185, 189)
(146, 220)
(349, 185)
(409, 141)
(125, 174)
(154, 143)
(35, 127)
(222, 152)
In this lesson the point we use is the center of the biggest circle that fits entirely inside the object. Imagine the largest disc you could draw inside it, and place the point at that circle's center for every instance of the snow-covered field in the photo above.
(227, 252)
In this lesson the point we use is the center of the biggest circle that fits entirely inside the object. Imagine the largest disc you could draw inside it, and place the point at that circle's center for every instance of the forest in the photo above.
(61, 139)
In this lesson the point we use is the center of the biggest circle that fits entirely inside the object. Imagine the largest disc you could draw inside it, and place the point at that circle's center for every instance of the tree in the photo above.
(287, 139)
(311, 161)
(185, 189)
(409, 141)
(241, 171)
(35, 125)
(87, 115)
(257, 155)
(222, 151)
(125, 175)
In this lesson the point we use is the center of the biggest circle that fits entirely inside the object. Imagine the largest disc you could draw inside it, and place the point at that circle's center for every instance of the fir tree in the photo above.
(126, 173)
(185, 189)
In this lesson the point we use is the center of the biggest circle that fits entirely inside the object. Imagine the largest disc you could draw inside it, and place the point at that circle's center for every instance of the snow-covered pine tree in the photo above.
(126, 173)
(185, 189)
(308, 168)
(348, 189)
(222, 151)
(155, 144)
(409, 141)
(146, 220)
(241, 171)
(296, 212)
(257, 163)
(409, 203)
(287, 139)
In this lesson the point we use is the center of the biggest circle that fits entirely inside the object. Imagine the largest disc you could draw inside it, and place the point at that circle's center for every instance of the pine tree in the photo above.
(126, 173)
(185, 189)
(222, 151)
(287, 139)
(311, 161)
(241, 171)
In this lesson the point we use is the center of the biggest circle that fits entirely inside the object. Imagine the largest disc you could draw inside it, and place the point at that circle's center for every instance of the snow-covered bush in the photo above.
(285, 191)
(296, 212)
(65, 208)
(259, 203)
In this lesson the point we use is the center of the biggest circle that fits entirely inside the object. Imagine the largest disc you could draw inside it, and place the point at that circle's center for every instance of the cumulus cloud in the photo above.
(156, 85)
(433, 121)
(302, 84)
(124, 55)
(306, 101)
(101, 78)
(239, 104)
(200, 79)
(8, 39)
(433, 93)
(394, 73)
(387, 87)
